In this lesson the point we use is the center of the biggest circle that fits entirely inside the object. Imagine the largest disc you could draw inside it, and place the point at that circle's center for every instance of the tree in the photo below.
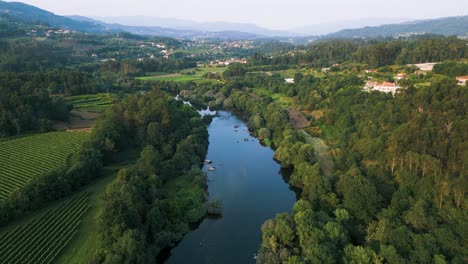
(149, 161)
(298, 77)
(264, 133)
(235, 70)
(359, 255)
(359, 196)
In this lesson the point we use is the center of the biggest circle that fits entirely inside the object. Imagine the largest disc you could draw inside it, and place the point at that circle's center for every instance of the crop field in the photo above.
(86, 243)
(23, 158)
(44, 236)
(90, 102)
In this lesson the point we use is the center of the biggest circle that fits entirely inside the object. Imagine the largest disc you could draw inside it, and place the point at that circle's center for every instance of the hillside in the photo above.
(444, 26)
(33, 14)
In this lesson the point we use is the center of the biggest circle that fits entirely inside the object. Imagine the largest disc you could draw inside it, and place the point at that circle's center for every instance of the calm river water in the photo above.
(249, 183)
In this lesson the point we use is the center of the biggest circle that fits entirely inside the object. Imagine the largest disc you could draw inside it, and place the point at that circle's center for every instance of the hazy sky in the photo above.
(267, 13)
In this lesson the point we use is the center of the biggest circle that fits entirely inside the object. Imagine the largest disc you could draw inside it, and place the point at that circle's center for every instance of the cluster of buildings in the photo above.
(385, 87)
(48, 32)
(391, 87)
(161, 46)
(228, 62)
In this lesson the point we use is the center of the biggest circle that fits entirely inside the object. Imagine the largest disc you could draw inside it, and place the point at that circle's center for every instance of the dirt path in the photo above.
(322, 153)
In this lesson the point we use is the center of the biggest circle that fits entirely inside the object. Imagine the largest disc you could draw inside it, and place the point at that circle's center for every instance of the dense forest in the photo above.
(398, 192)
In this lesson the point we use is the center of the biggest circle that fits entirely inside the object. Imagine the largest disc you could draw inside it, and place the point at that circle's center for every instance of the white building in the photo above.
(385, 87)
(400, 76)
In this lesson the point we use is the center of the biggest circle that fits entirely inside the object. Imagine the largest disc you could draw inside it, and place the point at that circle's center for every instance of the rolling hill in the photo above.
(220, 30)
(33, 14)
(444, 26)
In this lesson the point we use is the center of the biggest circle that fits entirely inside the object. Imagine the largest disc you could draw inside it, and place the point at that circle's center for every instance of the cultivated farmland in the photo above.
(23, 158)
(42, 238)
(90, 102)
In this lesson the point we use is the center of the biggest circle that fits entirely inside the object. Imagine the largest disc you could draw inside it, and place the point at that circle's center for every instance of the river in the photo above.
(252, 189)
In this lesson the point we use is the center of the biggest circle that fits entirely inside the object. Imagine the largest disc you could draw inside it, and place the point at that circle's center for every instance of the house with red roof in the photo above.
(462, 80)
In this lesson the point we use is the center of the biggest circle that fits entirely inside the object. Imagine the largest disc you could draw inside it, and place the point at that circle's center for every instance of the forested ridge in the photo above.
(374, 53)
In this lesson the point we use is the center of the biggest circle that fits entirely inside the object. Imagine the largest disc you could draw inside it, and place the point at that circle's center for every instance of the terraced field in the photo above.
(23, 158)
(44, 236)
(90, 102)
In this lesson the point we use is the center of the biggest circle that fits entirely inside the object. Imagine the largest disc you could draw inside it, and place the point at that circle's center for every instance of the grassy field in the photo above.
(42, 237)
(289, 73)
(172, 77)
(281, 99)
(90, 102)
(176, 77)
(23, 158)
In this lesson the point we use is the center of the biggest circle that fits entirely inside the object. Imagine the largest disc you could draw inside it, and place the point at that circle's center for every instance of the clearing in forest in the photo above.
(297, 118)
(321, 152)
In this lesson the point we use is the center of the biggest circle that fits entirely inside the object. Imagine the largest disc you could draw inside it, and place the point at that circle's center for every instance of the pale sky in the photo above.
(267, 13)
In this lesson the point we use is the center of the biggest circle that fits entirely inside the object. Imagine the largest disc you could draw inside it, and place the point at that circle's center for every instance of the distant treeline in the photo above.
(139, 68)
(374, 53)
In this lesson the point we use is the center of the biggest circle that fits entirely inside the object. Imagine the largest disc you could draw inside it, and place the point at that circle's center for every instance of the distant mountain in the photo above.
(179, 28)
(183, 24)
(444, 26)
(331, 27)
(141, 30)
(172, 32)
(33, 14)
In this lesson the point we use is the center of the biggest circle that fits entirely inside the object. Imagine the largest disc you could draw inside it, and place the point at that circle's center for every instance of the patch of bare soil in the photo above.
(297, 118)
(79, 121)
